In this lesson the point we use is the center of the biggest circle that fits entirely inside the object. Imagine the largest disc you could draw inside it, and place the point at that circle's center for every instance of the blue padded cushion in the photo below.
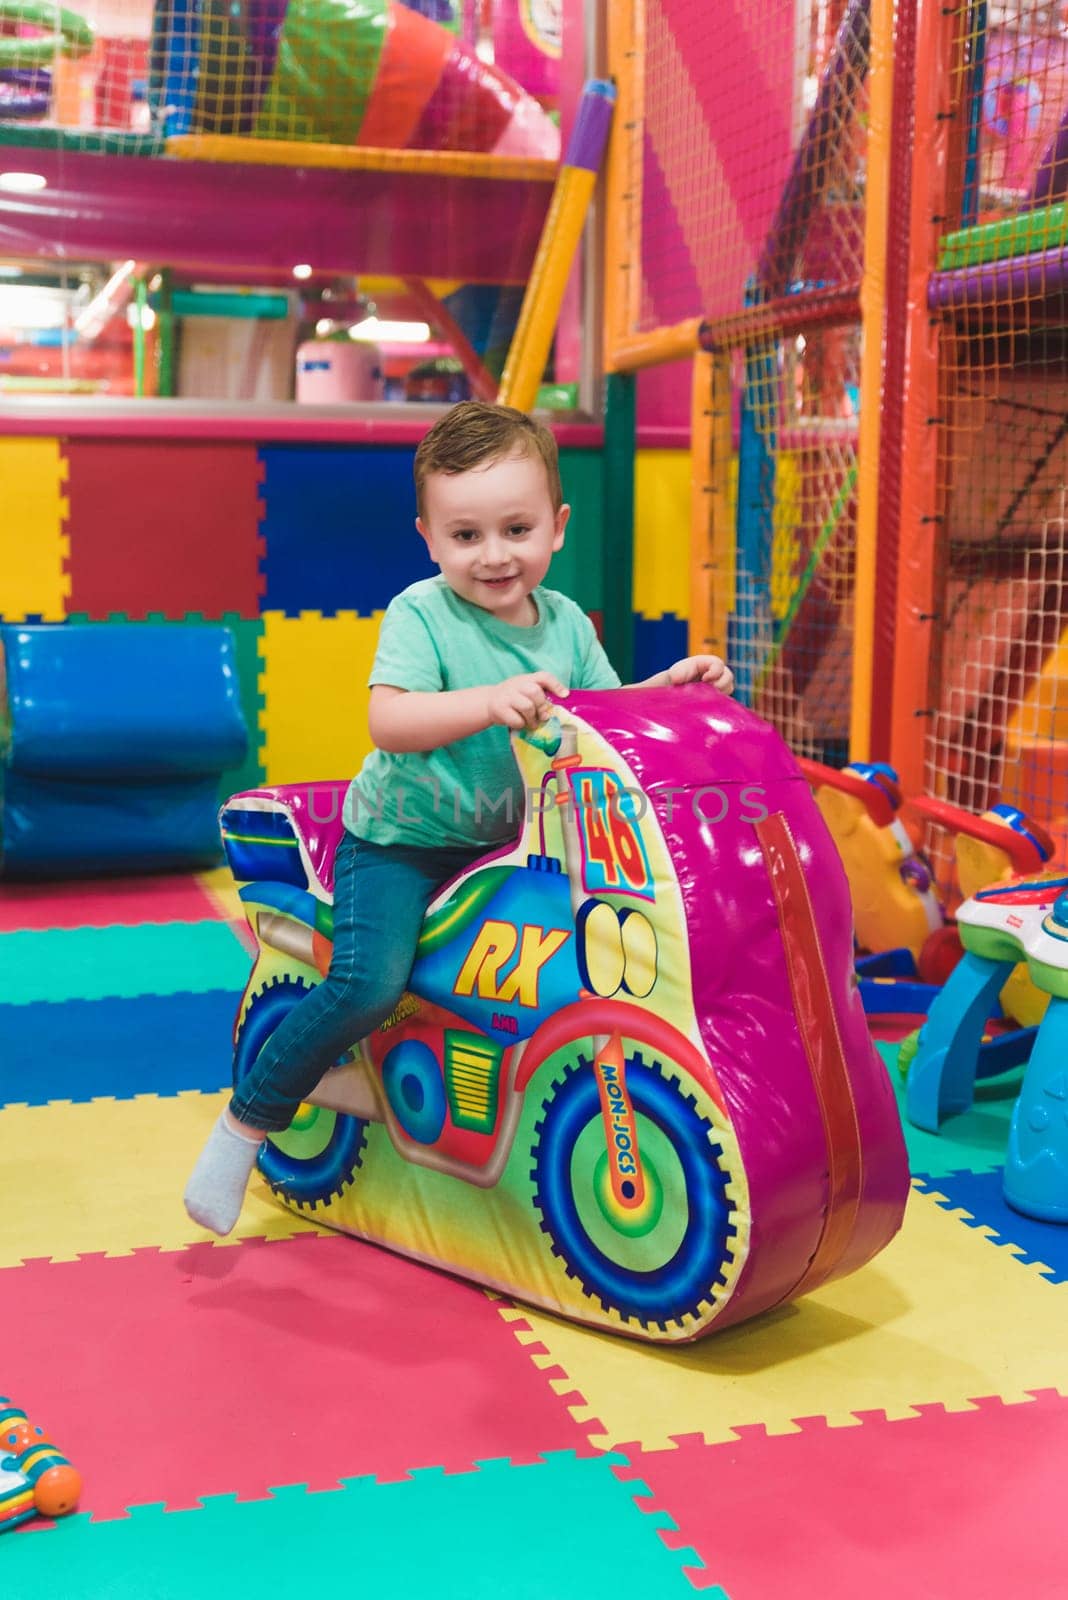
(121, 700)
(52, 827)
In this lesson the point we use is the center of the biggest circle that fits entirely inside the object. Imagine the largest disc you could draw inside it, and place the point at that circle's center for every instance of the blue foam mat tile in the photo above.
(86, 1049)
(349, 513)
(980, 1195)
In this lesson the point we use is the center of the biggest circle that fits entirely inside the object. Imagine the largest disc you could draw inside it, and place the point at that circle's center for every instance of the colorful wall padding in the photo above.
(661, 558)
(297, 547)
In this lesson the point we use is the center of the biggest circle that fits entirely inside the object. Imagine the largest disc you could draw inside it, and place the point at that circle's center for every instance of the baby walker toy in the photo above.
(1027, 920)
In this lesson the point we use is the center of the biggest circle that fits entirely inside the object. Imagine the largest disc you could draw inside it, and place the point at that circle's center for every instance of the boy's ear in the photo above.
(559, 524)
(424, 535)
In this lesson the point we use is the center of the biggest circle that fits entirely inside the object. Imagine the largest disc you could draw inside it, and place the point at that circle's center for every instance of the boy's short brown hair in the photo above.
(474, 432)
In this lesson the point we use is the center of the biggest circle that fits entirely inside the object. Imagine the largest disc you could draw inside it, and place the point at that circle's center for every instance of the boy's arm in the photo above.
(403, 720)
(596, 672)
(691, 669)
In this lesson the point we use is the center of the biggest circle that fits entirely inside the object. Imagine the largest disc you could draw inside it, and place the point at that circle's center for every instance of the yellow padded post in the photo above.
(662, 533)
(315, 695)
(34, 545)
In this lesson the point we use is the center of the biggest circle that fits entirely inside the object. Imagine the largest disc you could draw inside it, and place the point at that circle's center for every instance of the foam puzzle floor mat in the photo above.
(290, 1410)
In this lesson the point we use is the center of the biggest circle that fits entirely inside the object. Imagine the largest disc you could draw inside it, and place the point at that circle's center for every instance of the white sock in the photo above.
(217, 1184)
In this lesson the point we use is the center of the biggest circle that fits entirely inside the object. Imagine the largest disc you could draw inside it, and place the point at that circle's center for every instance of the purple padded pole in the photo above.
(849, 61)
(1051, 176)
(1000, 282)
(25, 92)
(585, 148)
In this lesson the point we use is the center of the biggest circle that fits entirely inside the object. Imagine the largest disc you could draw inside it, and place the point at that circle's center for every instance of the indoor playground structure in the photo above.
(602, 1248)
(410, 128)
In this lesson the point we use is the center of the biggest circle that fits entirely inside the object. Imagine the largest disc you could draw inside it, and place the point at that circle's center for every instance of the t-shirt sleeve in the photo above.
(406, 657)
(595, 671)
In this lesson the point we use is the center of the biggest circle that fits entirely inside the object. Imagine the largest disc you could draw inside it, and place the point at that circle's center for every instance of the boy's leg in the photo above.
(380, 897)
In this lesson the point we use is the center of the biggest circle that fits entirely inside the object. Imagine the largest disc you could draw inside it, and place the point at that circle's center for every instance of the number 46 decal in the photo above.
(613, 852)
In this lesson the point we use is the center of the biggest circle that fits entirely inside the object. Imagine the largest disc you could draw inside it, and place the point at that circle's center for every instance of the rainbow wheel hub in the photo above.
(666, 1260)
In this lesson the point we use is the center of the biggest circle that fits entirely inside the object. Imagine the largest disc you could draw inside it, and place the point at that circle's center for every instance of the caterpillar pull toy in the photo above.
(35, 1479)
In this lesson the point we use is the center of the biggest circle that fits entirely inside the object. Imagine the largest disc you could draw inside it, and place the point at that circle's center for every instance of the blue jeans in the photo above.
(381, 893)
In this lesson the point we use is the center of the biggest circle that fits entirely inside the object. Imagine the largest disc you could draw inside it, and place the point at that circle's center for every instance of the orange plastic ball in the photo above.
(57, 1491)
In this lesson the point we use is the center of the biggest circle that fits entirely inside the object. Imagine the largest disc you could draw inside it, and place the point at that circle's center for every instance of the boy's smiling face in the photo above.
(493, 532)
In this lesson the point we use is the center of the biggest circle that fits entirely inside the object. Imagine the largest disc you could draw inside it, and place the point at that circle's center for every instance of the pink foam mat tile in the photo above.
(946, 1503)
(105, 902)
(168, 1377)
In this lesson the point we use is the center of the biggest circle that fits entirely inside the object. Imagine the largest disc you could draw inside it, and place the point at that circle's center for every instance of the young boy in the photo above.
(462, 658)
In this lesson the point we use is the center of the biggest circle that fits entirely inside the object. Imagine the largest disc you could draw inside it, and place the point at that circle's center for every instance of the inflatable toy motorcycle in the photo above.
(631, 1080)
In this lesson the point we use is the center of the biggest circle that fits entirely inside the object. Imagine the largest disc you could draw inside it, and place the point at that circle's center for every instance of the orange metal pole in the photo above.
(651, 349)
(702, 470)
(711, 522)
(817, 309)
(623, 181)
(873, 317)
(923, 472)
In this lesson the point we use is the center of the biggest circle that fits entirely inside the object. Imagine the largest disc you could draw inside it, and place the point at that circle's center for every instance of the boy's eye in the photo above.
(465, 535)
(519, 528)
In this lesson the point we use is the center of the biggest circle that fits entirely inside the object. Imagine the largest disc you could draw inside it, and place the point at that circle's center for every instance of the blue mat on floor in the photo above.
(83, 1049)
(979, 1194)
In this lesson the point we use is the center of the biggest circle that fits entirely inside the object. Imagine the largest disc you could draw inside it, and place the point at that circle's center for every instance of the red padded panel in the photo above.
(159, 525)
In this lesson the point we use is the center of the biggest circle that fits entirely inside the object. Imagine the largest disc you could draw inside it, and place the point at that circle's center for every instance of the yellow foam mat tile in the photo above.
(942, 1316)
(662, 533)
(315, 695)
(108, 1177)
(34, 546)
(218, 884)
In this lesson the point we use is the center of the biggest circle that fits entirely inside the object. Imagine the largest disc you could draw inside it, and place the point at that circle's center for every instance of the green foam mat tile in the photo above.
(974, 1142)
(565, 1529)
(101, 963)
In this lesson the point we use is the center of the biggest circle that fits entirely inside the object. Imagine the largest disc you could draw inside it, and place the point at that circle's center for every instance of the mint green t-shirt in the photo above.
(468, 792)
